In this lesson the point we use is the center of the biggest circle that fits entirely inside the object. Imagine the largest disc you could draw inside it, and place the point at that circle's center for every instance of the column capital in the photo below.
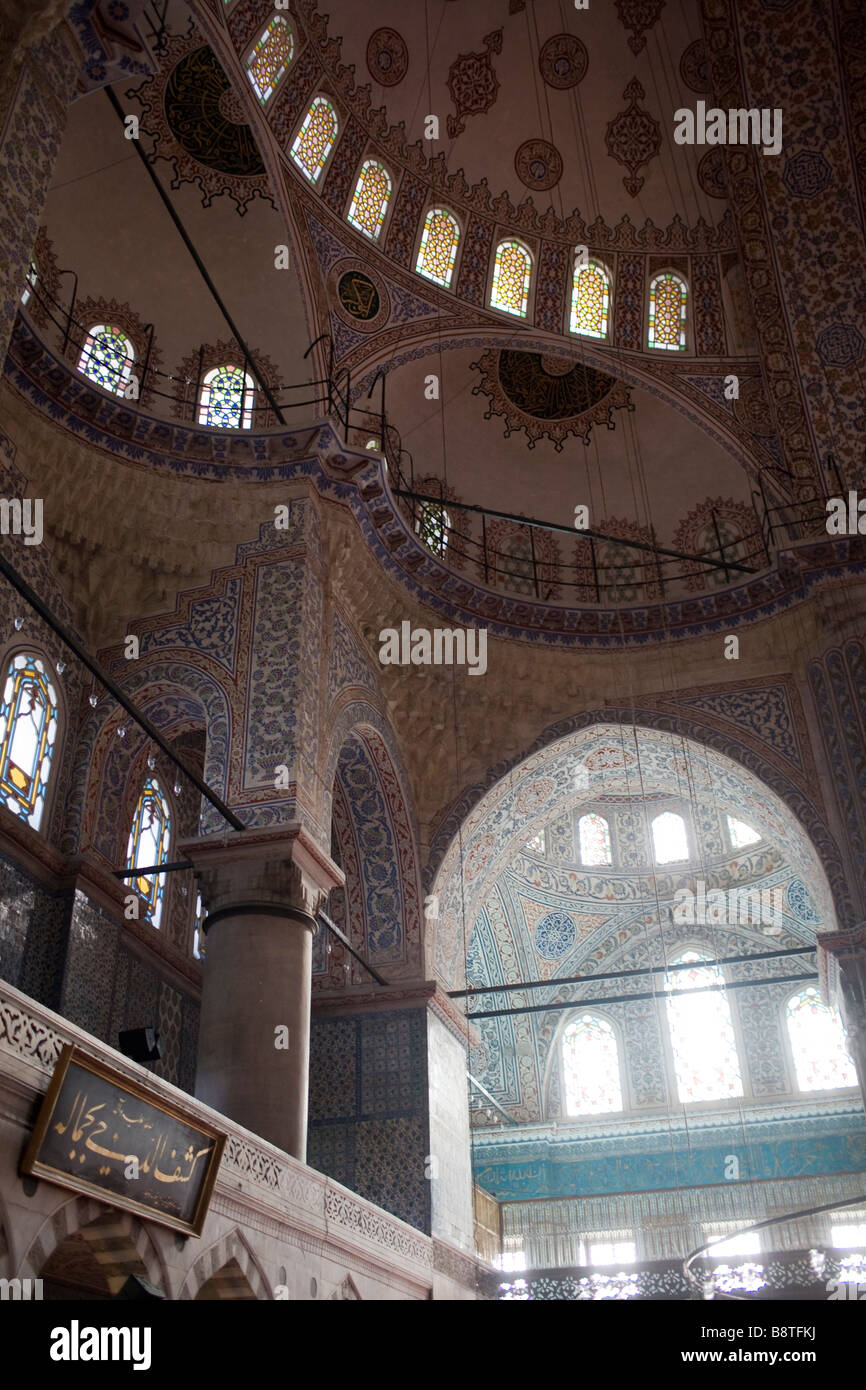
(282, 868)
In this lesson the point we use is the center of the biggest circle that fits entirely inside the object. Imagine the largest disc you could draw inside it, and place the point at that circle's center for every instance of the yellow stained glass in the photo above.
(511, 273)
(667, 312)
(590, 301)
(370, 202)
(270, 58)
(315, 139)
(438, 249)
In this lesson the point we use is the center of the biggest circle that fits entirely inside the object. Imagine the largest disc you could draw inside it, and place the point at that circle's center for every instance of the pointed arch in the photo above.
(232, 1248)
(227, 399)
(120, 1244)
(591, 1060)
(148, 846)
(593, 835)
(269, 59)
(817, 1041)
(701, 1030)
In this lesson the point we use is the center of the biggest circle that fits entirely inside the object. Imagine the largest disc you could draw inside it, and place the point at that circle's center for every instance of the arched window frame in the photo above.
(584, 815)
(702, 949)
(455, 253)
(157, 896)
(317, 179)
(685, 314)
(266, 97)
(671, 811)
(37, 653)
(377, 237)
(203, 405)
(444, 527)
(571, 1018)
(796, 1087)
(90, 341)
(594, 263)
(529, 283)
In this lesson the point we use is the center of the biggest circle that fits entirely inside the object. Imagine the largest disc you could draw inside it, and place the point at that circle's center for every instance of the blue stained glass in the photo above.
(148, 846)
(28, 732)
(226, 399)
(107, 357)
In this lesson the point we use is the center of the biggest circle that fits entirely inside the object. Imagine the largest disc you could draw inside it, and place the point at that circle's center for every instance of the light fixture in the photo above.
(93, 701)
(121, 731)
(19, 623)
(60, 667)
(151, 761)
(177, 788)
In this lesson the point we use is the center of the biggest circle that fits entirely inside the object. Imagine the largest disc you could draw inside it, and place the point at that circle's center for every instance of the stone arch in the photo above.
(120, 1244)
(226, 1262)
(471, 846)
(176, 696)
(583, 351)
(383, 900)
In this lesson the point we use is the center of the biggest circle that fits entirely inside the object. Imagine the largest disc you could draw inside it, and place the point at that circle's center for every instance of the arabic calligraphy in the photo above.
(86, 1124)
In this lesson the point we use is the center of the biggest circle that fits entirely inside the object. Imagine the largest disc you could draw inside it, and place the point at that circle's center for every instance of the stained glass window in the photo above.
(30, 282)
(148, 846)
(370, 201)
(28, 732)
(107, 358)
(591, 1067)
(438, 249)
(433, 526)
(667, 312)
(512, 269)
(227, 399)
(821, 1058)
(315, 139)
(741, 834)
(670, 841)
(270, 58)
(514, 566)
(702, 1032)
(848, 1236)
(594, 835)
(590, 300)
(198, 947)
(610, 1252)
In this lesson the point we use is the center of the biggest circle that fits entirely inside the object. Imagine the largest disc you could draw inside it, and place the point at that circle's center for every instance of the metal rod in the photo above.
(28, 594)
(569, 530)
(650, 994)
(490, 1099)
(341, 937)
(169, 207)
(534, 564)
(71, 309)
(628, 974)
(719, 541)
(144, 370)
(153, 869)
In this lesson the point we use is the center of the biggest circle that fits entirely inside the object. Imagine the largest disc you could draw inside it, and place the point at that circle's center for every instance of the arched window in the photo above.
(30, 281)
(821, 1059)
(370, 200)
(702, 1032)
(28, 733)
(590, 300)
(270, 58)
(667, 312)
(594, 836)
(590, 1062)
(107, 358)
(315, 139)
(670, 842)
(512, 271)
(433, 526)
(438, 249)
(226, 401)
(741, 834)
(148, 847)
(514, 565)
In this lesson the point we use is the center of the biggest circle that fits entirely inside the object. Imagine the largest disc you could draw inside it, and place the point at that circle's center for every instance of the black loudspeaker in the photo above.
(138, 1290)
(140, 1044)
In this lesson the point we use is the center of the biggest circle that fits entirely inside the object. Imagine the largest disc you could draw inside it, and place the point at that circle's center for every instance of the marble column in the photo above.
(261, 893)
